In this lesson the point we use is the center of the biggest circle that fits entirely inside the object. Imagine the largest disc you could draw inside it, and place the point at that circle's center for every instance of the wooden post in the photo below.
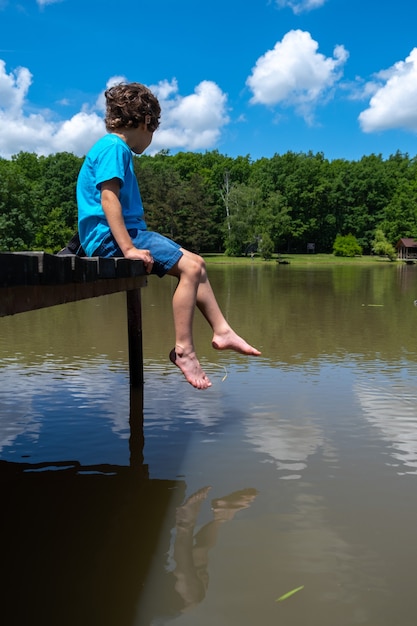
(136, 439)
(134, 328)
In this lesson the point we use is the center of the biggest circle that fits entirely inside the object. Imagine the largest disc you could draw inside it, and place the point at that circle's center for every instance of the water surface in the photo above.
(295, 469)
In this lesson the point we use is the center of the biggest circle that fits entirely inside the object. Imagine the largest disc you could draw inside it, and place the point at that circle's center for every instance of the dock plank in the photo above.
(34, 280)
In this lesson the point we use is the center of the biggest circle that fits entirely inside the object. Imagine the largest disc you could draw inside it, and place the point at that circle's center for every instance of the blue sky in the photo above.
(253, 77)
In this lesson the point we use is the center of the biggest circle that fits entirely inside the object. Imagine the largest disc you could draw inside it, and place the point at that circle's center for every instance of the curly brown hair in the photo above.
(130, 104)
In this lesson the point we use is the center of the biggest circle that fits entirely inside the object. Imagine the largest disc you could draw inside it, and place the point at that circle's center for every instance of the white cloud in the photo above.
(13, 88)
(71, 135)
(393, 104)
(34, 133)
(301, 6)
(358, 89)
(44, 3)
(189, 122)
(295, 74)
(37, 132)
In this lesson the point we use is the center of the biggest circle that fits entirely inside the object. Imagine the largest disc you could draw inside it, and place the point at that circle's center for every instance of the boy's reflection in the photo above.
(191, 550)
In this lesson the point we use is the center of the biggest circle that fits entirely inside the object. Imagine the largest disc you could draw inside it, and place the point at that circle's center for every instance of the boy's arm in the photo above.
(112, 208)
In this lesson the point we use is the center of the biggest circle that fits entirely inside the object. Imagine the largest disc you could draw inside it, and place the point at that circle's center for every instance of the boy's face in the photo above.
(139, 138)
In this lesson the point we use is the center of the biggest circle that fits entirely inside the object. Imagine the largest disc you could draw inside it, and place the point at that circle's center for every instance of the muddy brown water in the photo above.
(296, 470)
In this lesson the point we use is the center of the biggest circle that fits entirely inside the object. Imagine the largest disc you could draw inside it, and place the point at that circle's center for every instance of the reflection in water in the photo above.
(16, 418)
(79, 542)
(191, 549)
(287, 443)
(127, 535)
(390, 405)
(184, 583)
(60, 408)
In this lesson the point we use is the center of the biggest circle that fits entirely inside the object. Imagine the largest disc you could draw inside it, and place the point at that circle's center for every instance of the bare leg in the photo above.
(188, 271)
(190, 585)
(224, 337)
(194, 289)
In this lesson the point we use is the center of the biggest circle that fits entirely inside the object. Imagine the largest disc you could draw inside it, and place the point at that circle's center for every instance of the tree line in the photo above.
(210, 202)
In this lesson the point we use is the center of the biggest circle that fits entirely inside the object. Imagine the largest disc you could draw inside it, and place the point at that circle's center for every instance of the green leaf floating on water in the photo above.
(289, 594)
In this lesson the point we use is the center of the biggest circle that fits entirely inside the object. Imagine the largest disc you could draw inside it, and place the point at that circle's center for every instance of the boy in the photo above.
(111, 223)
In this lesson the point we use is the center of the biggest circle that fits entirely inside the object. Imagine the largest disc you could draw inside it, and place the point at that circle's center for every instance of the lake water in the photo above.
(296, 470)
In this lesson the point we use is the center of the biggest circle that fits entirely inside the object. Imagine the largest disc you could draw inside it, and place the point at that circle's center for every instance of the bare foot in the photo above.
(187, 513)
(190, 367)
(225, 508)
(230, 340)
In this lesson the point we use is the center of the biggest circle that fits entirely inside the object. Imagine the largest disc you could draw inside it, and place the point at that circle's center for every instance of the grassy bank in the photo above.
(297, 259)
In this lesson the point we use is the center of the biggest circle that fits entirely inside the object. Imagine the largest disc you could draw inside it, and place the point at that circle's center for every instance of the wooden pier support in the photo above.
(134, 328)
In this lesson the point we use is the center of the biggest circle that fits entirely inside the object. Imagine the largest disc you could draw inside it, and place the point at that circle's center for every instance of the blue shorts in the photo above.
(164, 251)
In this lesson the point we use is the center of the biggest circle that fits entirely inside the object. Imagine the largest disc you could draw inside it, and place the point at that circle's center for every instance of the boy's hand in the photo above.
(143, 255)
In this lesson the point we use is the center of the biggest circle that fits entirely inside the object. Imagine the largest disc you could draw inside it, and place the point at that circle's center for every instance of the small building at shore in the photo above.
(407, 249)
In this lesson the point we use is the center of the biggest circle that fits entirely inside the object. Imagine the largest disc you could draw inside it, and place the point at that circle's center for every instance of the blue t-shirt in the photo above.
(109, 158)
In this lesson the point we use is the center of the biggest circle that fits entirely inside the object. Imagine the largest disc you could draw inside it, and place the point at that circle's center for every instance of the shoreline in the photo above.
(299, 260)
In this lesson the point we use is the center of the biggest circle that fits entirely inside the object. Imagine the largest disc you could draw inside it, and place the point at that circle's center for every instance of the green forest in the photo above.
(210, 202)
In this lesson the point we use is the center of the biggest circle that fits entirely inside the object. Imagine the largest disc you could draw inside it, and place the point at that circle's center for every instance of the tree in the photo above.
(212, 202)
(400, 215)
(242, 225)
(266, 247)
(275, 219)
(17, 214)
(382, 247)
(53, 235)
(59, 181)
(346, 245)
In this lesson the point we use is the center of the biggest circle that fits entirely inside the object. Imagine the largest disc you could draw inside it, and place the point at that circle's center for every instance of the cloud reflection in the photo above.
(17, 415)
(55, 396)
(288, 444)
(391, 407)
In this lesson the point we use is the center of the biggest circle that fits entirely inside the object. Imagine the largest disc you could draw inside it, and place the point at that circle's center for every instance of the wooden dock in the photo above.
(35, 280)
